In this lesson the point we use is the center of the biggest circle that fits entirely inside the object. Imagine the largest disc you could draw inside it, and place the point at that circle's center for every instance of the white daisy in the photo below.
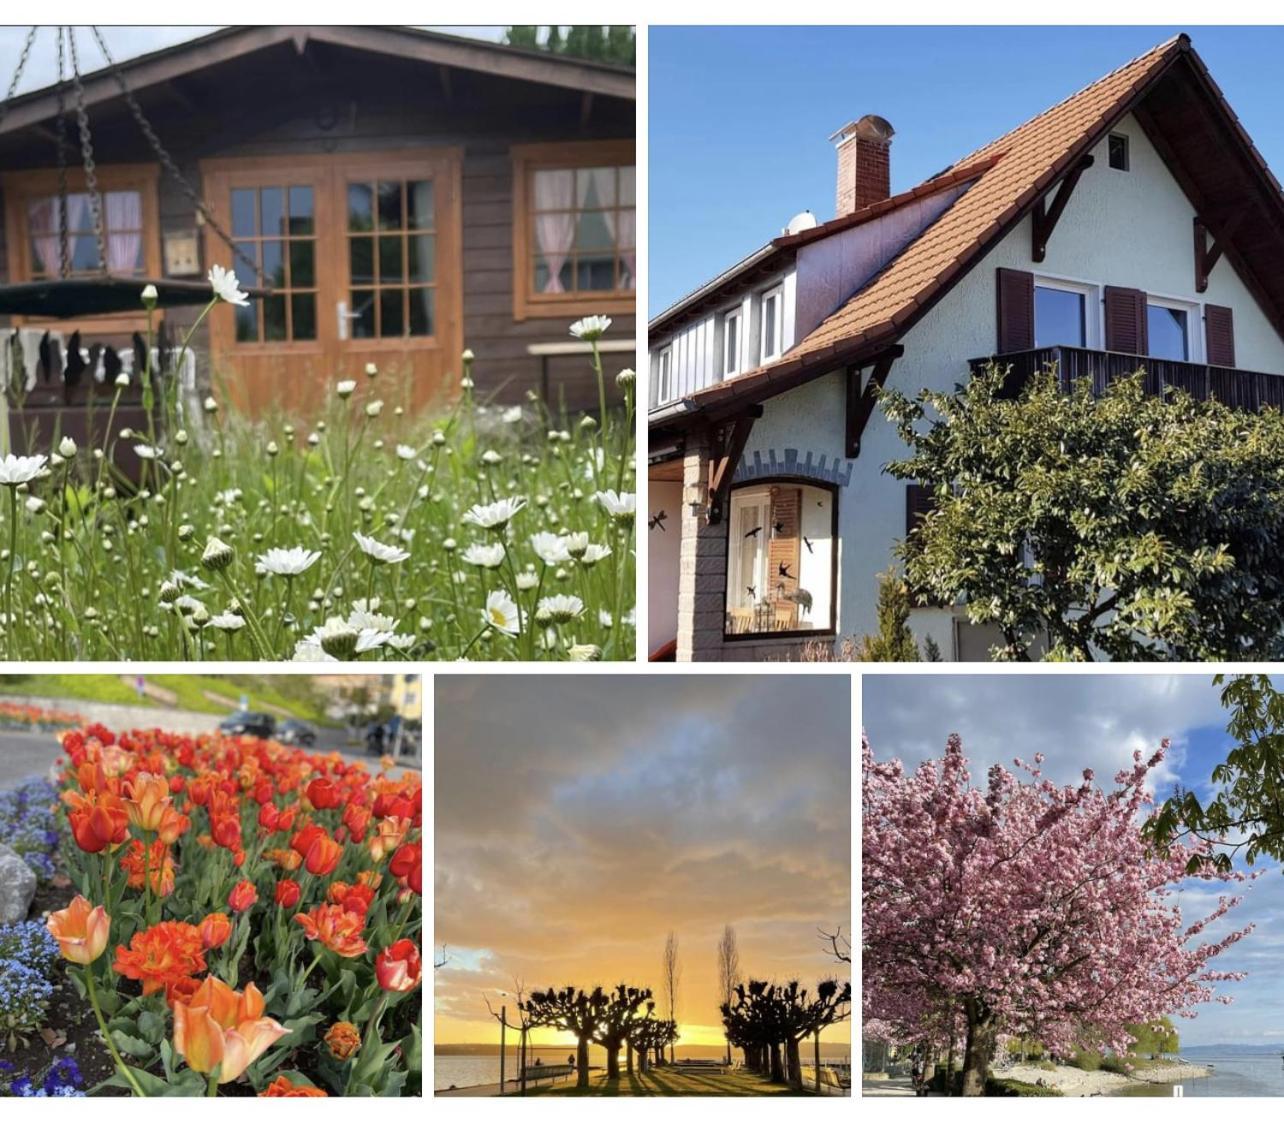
(560, 608)
(501, 613)
(619, 506)
(146, 452)
(286, 563)
(337, 638)
(584, 653)
(479, 554)
(527, 580)
(512, 415)
(345, 388)
(551, 548)
(590, 327)
(180, 579)
(490, 458)
(378, 551)
(375, 408)
(310, 651)
(225, 286)
(20, 470)
(406, 453)
(401, 642)
(593, 554)
(228, 622)
(490, 516)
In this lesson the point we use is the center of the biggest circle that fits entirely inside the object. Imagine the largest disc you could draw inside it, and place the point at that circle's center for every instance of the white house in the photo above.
(1132, 224)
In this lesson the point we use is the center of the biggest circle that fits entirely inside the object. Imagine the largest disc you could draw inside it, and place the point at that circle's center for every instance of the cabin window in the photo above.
(274, 226)
(1168, 328)
(731, 343)
(131, 228)
(772, 307)
(392, 259)
(1118, 149)
(575, 229)
(1060, 317)
(781, 559)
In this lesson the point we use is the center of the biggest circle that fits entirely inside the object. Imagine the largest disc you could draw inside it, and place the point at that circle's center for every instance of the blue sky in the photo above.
(739, 117)
(1096, 721)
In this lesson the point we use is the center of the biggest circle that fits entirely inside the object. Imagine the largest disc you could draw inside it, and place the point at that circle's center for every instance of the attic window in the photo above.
(1118, 152)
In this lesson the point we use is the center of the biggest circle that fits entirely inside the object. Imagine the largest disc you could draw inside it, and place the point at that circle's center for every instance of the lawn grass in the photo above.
(188, 689)
(667, 1083)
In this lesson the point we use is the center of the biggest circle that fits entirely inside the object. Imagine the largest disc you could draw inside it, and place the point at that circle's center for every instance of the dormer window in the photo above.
(1118, 149)
(731, 344)
(772, 323)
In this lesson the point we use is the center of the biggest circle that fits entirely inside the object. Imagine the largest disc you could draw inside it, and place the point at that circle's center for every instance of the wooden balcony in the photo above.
(1245, 390)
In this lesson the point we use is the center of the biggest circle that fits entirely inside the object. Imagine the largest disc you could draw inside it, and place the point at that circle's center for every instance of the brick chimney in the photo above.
(864, 163)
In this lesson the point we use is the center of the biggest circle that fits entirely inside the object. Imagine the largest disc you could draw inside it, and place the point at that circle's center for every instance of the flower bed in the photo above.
(24, 716)
(360, 534)
(29, 825)
(247, 917)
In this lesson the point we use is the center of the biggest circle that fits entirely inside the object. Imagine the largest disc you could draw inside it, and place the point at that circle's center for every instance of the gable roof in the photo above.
(1183, 112)
(416, 44)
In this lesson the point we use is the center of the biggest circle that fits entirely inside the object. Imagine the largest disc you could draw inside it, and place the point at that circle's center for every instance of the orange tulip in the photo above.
(344, 1040)
(285, 858)
(99, 822)
(389, 833)
(215, 930)
(172, 824)
(323, 855)
(221, 1027)
(81, 930)
(335, 927)
(148, 801)
(283, 1087)
(153, 864)
(243, 896)
(398, 968)
(162, 956)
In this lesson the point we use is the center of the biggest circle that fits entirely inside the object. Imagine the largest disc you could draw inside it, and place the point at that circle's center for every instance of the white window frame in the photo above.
(776, 293)
(1093, 311)
(737, 581)
(664, 376)
(1194, 311)
(1127, 151)
(731, 362)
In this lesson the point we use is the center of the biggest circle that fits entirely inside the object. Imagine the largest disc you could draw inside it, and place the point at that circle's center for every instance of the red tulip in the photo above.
(243, 896)
(407, 864)
(287, 893)
(322, 793)
(215, 929)
(397, 967)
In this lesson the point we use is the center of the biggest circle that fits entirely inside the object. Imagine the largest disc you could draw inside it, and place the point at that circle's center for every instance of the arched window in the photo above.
(782, 559)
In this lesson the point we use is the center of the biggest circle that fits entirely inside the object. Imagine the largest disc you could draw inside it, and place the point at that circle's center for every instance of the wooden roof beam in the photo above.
(1046, 217)
(722, 467)
(861, 400)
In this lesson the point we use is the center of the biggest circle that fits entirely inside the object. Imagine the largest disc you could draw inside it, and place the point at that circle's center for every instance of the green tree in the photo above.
(1247, 812)
(894, 642)
(1154, 1038)
(615, 43)
(1126, 526)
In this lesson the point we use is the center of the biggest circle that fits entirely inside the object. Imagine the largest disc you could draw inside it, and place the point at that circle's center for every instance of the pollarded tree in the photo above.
(1127, 526)
(619, 1010)
(1028, 908)
(574, 1011)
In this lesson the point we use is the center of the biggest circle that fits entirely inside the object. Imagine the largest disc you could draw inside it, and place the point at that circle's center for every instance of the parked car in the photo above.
(252, 723)
(294, 732)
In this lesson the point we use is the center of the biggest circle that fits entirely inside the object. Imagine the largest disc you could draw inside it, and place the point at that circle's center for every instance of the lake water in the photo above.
(1234, 1075)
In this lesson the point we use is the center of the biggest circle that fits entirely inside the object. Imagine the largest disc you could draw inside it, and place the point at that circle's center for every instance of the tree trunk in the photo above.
(982, 1038)
(728, 1051)
(612, 1060)
(795, 1063)
(949, 1063)
(777, 1066)
(628, 1056)
(581, 1064)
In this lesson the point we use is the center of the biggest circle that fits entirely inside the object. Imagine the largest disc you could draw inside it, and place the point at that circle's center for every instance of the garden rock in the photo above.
(17, 886)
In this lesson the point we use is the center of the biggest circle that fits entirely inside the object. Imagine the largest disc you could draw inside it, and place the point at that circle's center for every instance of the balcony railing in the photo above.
(1245, 390)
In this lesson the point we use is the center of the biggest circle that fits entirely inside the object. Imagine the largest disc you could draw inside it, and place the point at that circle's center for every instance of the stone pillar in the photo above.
(702, 565)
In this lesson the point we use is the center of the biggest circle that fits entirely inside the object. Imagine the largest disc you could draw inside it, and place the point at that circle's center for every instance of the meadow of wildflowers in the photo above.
(365, 533)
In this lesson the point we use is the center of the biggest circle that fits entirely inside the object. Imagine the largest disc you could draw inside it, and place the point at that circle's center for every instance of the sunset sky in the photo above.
(580, 818)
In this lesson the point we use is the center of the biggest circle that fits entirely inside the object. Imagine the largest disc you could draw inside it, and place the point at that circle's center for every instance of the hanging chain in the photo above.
(17, 74)
(87, 151)
(168, 162)
(64, 245)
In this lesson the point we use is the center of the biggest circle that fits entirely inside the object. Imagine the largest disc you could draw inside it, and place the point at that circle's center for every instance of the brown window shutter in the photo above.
(1016, 310)
(1219, 335)
(918, 502)
(1126, 328)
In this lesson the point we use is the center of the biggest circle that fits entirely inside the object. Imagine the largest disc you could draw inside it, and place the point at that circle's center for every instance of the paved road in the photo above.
(24, 755)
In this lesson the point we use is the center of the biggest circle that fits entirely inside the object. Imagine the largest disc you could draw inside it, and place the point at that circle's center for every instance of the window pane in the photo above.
(243, 224)
(360, 206)
(770, 308)
(390, 206)
(628, 192)
(273, 264)
(592, 232)
(302, 214)
(731, 350)
(390, 260)
(363, 322)
(1167, 330)
(361, 260)
(627, 280)
(545, 282)
(274, 318)
(391, 318)
(420, 200)
(422, 249)
(302, 265)
(247, 322)
(84, 253)
(596, 274)
(422, 313)
(272, 206)
(303, 310)
(595, 187)
(1058, 318)
(245, 250)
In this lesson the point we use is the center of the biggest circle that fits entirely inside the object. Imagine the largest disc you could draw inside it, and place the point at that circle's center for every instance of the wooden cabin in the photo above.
(401, 194)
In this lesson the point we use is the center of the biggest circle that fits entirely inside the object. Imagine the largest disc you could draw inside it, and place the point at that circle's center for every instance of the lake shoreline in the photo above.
(1071, 1081)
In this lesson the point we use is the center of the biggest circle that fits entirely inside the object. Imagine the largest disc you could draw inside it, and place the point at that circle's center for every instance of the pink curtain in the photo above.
(554, 222)
(43, 223)
(124, 230)
(627, 238)
(623, 233)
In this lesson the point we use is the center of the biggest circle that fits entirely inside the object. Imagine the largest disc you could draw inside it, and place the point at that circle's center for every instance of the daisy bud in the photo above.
(373, 409)
(217, 555)
(122, 379)
(185, 532)
(626, 378)
(371, 370)
(211, 407)
(180, 438)
(150, 297)
(67, 448)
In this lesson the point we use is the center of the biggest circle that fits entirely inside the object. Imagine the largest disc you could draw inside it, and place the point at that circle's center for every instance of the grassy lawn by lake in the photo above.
(666, 1083)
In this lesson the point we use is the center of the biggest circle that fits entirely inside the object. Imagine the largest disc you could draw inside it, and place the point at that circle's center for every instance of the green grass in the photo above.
(666, 1083)
(174, 569)
(189, 689)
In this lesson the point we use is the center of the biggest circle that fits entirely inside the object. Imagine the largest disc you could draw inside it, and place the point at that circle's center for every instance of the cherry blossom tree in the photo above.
(1026, 908)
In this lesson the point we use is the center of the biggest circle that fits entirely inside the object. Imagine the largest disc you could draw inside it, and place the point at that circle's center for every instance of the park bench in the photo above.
(537, 1073)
